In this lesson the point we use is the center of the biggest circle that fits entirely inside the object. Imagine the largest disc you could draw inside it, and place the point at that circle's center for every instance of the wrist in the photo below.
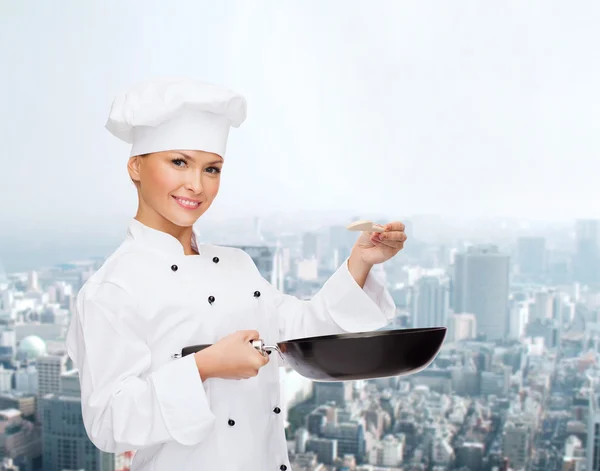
(358, 264)
(205, 364)
(358, 268)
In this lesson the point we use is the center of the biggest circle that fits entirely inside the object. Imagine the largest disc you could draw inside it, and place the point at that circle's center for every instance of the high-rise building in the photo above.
(49, 370)
(389, 452)
(310, 245)
(32, 281)
(515, 444)
(587, 251)
(430, 302)
(593, 432)
(325, 449)
(65, 441)
(518, 318)
(542, 306)
(461, 327)
(341, 241)
(481, 282)
(263, 258)
(350, 437)
(339, 392)
(470, 455)
(531, 255)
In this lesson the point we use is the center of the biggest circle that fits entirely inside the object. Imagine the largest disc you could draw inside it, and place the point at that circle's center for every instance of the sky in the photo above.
(463, 108)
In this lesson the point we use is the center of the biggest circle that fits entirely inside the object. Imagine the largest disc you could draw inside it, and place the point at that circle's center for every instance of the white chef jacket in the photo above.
(146, 302)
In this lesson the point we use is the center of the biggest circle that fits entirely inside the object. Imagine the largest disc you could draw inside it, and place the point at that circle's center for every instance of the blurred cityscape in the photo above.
(514, 386)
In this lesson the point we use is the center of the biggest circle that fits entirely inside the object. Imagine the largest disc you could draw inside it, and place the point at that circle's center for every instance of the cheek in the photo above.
(212, 186)
(158, 183)
(165, 181)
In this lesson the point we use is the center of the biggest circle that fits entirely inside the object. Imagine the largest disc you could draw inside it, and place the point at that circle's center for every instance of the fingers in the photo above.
(260, 360)
(394, 226)
(391, 244)
(250, 335)
(395, 236)
(394, 239)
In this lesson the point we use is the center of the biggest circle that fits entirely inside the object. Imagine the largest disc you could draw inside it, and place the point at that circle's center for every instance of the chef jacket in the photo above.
(146, 302)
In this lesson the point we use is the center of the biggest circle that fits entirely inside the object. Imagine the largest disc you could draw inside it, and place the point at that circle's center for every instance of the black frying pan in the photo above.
(354, 356)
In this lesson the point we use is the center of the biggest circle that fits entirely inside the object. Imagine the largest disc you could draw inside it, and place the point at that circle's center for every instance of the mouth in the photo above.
(186, 203)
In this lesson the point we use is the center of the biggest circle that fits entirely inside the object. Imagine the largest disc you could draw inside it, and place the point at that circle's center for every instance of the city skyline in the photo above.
(471, 381)
(474, 123)
(25, 250)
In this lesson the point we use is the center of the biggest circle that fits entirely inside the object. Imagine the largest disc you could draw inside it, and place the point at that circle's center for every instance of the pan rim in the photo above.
(366, 334)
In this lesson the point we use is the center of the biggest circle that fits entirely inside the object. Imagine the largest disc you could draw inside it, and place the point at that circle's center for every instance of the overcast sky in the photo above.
(450, 108)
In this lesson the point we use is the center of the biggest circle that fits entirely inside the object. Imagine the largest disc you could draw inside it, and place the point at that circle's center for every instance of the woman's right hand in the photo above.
(232, 357)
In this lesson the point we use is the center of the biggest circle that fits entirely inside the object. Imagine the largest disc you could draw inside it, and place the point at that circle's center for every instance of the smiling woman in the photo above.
(161, 291)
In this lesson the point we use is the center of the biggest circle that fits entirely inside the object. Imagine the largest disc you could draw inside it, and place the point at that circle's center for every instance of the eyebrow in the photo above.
(220, 161)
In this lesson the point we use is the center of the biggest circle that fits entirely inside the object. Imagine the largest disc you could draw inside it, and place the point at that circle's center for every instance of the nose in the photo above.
(194, 181)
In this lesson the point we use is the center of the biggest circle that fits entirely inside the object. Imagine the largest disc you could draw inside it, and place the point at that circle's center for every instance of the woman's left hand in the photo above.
(375, 247)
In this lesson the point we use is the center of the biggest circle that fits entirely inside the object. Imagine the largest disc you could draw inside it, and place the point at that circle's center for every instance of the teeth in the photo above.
(187, 203)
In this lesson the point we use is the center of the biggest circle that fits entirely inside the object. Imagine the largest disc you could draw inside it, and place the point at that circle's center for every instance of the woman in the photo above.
(161, 290)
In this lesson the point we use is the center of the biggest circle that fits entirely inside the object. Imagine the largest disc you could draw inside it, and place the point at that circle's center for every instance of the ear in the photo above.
(133, 167)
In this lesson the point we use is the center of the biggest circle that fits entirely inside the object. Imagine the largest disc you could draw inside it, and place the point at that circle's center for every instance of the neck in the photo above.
(182, 233)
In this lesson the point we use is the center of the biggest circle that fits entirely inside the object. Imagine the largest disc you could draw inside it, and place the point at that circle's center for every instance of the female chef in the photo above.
(218, 409)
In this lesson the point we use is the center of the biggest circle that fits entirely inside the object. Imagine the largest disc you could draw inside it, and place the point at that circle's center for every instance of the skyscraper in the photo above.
(593, 431)
(587, 251)
(342, 240)
(531, 255)
(310, 245)
(263, 258)
(49, 368)
(430, 302)
(481, 280)
(461, 327)
(66, 444)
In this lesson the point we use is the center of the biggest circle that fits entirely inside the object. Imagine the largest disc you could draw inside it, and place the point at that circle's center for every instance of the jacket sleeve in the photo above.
(125, 408)
(341, 305)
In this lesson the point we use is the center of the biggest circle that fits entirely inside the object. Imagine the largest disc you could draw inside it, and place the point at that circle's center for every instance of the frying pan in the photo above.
(355, 356)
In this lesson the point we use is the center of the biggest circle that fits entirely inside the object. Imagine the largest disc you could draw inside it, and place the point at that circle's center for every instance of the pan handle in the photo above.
(257, 344)
(266, 349)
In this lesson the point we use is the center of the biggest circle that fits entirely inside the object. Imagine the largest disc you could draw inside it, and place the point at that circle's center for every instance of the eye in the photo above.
(216, 170)
(177, 160)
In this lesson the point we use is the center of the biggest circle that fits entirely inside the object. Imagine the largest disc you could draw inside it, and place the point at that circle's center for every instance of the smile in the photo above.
(186, 204)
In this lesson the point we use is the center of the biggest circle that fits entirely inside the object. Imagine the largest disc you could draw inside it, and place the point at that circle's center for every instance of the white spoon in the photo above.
(365, 226)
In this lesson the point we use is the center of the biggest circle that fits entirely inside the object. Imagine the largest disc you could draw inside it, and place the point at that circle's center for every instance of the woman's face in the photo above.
(162, 177)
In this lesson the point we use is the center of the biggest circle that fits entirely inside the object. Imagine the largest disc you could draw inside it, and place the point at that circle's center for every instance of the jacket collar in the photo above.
(159, 240)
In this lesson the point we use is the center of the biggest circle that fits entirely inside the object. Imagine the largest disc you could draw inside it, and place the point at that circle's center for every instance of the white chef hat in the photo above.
(176, 114)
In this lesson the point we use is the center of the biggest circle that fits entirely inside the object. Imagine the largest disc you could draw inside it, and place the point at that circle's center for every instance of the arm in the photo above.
(341, 305)
(122, 408)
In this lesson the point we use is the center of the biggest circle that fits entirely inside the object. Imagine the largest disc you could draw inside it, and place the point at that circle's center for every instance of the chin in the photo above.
(181, 220)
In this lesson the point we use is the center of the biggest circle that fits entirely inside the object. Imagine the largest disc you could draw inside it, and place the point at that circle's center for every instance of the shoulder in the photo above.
(120, 270)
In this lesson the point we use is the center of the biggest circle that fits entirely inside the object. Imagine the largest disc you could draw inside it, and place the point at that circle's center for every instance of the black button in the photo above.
(174, 267)
(256, 294)
(231, 422)
(283, 467)
(211, 299)
(216, 259)
(277, 410)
